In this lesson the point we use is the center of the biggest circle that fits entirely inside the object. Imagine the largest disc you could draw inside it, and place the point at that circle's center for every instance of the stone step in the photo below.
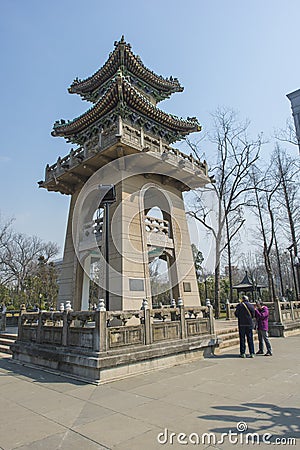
(11, 336)
(5, 349)
(227, 336)
(6, 340)
(230, 338)
(234, 342)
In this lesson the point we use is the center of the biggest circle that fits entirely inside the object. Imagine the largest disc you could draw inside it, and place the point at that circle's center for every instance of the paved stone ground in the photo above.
(40, 410)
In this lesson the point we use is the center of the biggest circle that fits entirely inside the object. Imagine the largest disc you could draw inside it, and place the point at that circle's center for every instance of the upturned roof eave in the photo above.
(120, 57)
(131, 98)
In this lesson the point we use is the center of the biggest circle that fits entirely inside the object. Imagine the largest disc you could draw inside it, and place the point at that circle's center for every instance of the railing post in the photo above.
(173, 313)
(96, 335)
(147, 325)
(64, 340)
(100, 332)
(227, 310)
(103, 331)
(210, 317)
(39, 328)
(278, 314)
(20, 325)
(20, 322)
(292, 310)
(182, 320)
(147, 321)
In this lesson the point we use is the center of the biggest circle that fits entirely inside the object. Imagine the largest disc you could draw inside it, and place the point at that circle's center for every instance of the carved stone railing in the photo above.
(119, 333)
(279, 312)
(290, 310)
(73, 159)
(155, 225)
(137, 138)
(107, 330)
(158, 232)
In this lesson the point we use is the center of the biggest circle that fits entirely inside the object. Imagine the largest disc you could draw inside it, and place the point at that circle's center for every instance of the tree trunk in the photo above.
(229, 260)
(265, 252)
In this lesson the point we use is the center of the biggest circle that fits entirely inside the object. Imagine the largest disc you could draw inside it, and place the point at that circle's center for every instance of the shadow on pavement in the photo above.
(267, 418)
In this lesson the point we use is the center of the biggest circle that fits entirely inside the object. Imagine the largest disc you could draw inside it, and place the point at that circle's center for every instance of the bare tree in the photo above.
(288, 134)
(19, 256)
(236, 154)
(286, 173)
(265, 188)
(5, 232)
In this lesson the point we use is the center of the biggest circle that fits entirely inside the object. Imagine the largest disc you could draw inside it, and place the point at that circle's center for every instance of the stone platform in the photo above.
(100, 346)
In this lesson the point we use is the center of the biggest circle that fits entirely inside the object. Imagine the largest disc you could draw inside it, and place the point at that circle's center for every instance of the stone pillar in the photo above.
(184, 270)
(86, 284)
(71, 276)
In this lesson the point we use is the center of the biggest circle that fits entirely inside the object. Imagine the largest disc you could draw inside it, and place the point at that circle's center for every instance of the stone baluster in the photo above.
(64, 338)
(101, 305)
(173, 313)
(71, 158)
(47, 173)
(173, 303)
(20, 321)
(227, 310)
(182, 318)
(210, 316)
(39, 328)
(292, 310)
(68, 306)
(278, 313)
(147, 322)
(58, 164)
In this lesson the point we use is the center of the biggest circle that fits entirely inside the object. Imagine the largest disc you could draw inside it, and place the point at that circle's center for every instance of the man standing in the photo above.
(245, 313)
(262, 319)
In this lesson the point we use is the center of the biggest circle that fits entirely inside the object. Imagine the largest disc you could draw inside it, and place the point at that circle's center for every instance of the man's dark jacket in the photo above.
(241, 312)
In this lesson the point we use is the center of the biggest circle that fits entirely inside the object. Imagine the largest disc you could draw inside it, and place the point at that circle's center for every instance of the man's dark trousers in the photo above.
(246, 330)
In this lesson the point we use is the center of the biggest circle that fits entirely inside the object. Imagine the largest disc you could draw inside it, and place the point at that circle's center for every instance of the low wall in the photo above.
(98, 346)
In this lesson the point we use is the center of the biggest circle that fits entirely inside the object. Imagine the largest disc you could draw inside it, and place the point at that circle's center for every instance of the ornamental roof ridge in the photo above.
(188, 121)
(121, 91)
(122, 56)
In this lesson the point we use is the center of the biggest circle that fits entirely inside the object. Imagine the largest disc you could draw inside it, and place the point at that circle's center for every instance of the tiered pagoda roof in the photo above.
(131, 65)
(125, 88)
(123, 98)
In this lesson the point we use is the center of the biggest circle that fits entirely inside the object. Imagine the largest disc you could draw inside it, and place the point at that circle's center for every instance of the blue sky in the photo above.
(233, 53)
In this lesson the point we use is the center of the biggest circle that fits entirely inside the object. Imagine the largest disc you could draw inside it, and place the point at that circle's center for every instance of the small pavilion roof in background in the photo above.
(246, 286)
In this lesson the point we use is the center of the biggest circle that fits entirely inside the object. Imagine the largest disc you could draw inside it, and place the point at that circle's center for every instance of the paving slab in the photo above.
(43, 410)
